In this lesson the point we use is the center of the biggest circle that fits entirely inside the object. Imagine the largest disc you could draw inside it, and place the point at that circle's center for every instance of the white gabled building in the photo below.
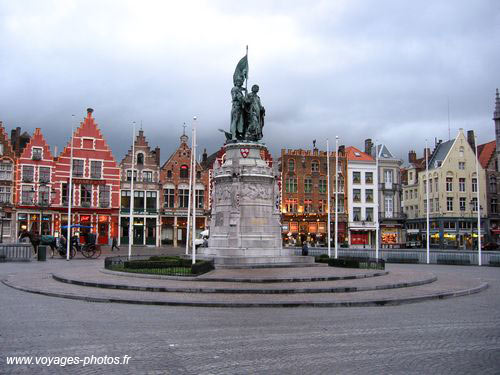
(362, 198)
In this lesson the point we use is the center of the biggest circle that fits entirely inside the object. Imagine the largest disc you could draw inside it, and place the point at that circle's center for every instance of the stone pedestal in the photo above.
(245, 227)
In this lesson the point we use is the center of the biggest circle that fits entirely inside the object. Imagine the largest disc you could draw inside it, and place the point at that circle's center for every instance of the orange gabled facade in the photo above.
(7, 183)
(96, 182)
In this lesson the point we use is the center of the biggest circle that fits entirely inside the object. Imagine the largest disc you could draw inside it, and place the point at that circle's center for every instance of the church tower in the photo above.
(496, 118)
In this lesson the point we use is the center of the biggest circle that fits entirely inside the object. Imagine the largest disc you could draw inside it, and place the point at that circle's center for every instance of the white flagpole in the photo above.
(479, 263)
(194, 190)
(190, 194)
(427, 198)
(328, 187)
(378, 203)
(336, 196)
(70, 193)
(131, 214)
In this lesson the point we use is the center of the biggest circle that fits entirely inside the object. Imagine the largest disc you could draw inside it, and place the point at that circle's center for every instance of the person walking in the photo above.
(305, 248)
(115, 244)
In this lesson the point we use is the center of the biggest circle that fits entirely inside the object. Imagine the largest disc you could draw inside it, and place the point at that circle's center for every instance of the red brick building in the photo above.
(96, 182)
(174, 177)
(304, 209)
(7, 180)
(34, 187)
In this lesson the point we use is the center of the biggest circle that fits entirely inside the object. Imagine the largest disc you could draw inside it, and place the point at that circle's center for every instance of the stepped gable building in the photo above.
(96, 183)
(7, 183)
(362, 182)
(18, 140)
(35, 187)
(174, 178)
(147, 191)
(390, 216)
(453, 185)
(304, 198)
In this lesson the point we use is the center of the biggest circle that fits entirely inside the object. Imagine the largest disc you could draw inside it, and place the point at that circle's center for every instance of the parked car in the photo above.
(490, 246)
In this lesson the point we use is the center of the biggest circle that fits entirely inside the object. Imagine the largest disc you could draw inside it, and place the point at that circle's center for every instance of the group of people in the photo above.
(247, 113)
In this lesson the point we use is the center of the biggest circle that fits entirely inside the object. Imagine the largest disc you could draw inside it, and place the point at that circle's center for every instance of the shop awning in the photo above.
(495, 231)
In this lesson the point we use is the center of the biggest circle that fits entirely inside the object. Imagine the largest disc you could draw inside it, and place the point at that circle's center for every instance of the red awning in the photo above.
(495, 231)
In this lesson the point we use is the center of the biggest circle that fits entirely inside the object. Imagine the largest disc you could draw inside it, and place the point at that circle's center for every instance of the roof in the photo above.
(383, 152)
(354, 154)
(486, 152)
(440, 153)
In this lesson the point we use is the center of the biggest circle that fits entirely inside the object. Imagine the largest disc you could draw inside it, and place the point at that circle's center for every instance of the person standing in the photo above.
(114, 244)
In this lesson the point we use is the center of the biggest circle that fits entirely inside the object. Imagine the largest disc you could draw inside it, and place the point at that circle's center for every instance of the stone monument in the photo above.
(245, 228)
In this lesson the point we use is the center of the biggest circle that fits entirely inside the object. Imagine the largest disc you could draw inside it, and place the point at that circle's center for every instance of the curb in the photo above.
(365, 303)
(346, 289)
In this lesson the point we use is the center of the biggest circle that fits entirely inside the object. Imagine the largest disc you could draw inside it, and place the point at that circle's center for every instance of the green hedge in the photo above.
(155, 262)
(360, 262)
(323, 258)
(201, 266)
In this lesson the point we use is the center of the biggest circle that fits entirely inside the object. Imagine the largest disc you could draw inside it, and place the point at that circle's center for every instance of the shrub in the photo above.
(146, 264)
(201, 266)
(323, 258)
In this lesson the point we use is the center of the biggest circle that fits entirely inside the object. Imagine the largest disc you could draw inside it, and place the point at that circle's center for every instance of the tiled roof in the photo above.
(440, 153)
(486, 152)
(354, 154)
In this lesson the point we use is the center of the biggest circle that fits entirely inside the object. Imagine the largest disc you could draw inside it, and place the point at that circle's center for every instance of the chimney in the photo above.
(341, 149)
(55, 151)
(89, 112)
(412, 156)
(368, 146)
(205, 156)
(471, 140)
(428, 151)
(157, 155)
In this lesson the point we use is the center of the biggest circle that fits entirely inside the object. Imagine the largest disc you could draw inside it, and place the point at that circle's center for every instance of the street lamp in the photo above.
(2, 216)
(43, 202)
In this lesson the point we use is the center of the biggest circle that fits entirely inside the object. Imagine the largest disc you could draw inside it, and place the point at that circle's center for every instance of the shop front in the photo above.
(360, 239)
(103, 229)
(390, 237)
(31, 222)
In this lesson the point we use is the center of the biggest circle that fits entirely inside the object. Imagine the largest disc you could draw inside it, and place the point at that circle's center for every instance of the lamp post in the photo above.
(336, 196)
(131, 214)
(42, 202)
(478, 208)
(2, 216)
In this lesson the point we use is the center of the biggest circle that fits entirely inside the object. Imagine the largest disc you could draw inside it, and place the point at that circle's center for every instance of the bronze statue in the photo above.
(255, 115)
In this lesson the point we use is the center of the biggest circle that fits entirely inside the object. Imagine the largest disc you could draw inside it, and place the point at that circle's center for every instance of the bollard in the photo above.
(42, 253)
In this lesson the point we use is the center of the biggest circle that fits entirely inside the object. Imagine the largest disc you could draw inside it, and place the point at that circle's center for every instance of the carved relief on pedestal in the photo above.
(254, 191)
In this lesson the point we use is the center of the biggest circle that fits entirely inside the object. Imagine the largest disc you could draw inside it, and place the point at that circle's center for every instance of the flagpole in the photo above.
(328, 188)
(131, 218)
(188, 232)
(246, 82)
(194, 190)
(336, 195)
(378, 204)
(70, 193)
(427, 203)
(478, 208)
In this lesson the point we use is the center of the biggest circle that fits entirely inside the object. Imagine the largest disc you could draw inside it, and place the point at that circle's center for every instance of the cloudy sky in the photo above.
(386, 70)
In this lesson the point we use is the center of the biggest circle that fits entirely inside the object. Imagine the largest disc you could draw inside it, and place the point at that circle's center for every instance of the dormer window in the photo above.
(314, 166)
(88, 143)
(36, 153)
(184, 171)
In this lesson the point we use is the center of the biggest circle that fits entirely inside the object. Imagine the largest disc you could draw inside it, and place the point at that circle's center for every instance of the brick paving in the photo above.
(452, 336)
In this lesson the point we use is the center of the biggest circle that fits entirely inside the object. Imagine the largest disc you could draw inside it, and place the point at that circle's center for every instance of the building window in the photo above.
(27, 195)
(184, 171)
(78, 168)
(461, 165)
(461, 185)
(340, 184)
(425, 186)
(322, 206)
(129, 175)
(340, 204)
(474, 204)
(5, 171)
(151, 201)
(406, 194)
(183, 198)
(431, 205)
(449, 204)
(4, 194)
(493, 184)
(388, 177)
(322, 186)
(169, 174)
(88, 143)
(138, 201)
(436, 201)
(369, 214)
(95, 169)
(169, 197)
(308, 206)
(474, 185)
(461, 151)
(198, 175)
(291, 205)
(411, 194)
(147, 176)
(356, 177)
(64, 194)
(315, 166)
(140, 159)
(389, 206)
(44, 174)
(356, 214)
(125, 200)
(85, 195)
(28, 173)
(493, 205)
(291, 185)
(369, 178)
(462, 202)
(449, 184)
(308, 185)
(200, 198)
(369, 195)
(104, 196)
(356, 195)
(37, 153)
(291, 165)
(43, 195)
(425, 206)
(436, 184)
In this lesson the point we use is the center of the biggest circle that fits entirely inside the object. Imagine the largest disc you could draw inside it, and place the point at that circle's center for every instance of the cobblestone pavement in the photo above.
(453, 336)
